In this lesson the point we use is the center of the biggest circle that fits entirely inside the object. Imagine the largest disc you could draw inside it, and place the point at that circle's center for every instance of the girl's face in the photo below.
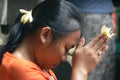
(57, 51)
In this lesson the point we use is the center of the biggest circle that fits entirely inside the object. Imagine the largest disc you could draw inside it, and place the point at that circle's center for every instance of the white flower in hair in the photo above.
(27, 17)
(107, 31)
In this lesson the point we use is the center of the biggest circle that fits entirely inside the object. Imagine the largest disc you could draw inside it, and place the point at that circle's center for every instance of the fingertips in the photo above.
(96, 39)
(103, 52)
(81, 42)
(106, 39)
(105, 49)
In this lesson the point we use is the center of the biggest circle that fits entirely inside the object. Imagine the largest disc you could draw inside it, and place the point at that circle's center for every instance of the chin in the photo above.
(55, 65)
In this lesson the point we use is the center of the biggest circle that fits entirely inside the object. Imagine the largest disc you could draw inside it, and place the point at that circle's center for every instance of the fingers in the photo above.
(103, 49)
(102, 52)
(81, 43)
(90, 51)
(100, 43)
(90, 58)
(92, 43)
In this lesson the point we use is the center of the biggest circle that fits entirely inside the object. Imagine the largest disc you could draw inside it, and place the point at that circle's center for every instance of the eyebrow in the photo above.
(76, 44)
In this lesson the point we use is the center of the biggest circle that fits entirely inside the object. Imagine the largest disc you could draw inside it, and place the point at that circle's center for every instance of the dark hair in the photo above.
(59, 15)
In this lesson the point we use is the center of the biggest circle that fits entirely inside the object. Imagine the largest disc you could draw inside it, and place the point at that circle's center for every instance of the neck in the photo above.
(25, 50)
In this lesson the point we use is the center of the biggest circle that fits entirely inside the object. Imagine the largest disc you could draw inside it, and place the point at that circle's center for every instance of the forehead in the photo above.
(73, 38)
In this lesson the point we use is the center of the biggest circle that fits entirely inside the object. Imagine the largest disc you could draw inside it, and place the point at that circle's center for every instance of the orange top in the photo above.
(13, 68)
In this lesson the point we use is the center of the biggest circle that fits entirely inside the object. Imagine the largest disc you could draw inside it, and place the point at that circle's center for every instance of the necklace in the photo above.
(50, 77)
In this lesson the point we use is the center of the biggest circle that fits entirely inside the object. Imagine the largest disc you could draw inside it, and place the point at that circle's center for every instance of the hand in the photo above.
(85, 58)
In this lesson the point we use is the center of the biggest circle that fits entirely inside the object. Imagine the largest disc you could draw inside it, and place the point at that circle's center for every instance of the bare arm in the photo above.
(85, 58)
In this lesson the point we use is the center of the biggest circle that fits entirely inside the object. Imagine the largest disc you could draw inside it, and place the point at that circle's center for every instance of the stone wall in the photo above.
(3, 17)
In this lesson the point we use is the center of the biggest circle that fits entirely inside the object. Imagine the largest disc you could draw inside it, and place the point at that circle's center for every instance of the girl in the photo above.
(41, 38)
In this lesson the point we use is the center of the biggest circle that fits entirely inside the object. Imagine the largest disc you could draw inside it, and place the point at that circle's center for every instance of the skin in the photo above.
(41, 49)
(83, 64)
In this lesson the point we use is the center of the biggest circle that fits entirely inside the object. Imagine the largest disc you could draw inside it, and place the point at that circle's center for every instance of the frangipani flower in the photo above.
(27, 17)
(107, 31)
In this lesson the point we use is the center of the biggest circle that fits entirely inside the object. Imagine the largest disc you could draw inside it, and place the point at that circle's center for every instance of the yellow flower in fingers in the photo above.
(27, 17)
(107, 31)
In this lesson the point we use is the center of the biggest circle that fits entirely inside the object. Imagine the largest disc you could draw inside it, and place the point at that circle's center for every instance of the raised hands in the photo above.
(85, 58)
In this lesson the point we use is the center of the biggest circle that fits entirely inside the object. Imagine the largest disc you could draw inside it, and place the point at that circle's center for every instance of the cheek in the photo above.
(63, 54)
(58, 53)
(54, 53)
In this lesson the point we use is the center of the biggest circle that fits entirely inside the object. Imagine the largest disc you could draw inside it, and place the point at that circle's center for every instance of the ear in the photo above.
(46, 34)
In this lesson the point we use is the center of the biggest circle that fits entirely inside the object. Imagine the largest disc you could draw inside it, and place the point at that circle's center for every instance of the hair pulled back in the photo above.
(57, 14)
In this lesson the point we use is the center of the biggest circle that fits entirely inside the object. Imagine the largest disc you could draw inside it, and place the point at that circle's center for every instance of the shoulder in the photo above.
(23, 69)
(20, 69)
